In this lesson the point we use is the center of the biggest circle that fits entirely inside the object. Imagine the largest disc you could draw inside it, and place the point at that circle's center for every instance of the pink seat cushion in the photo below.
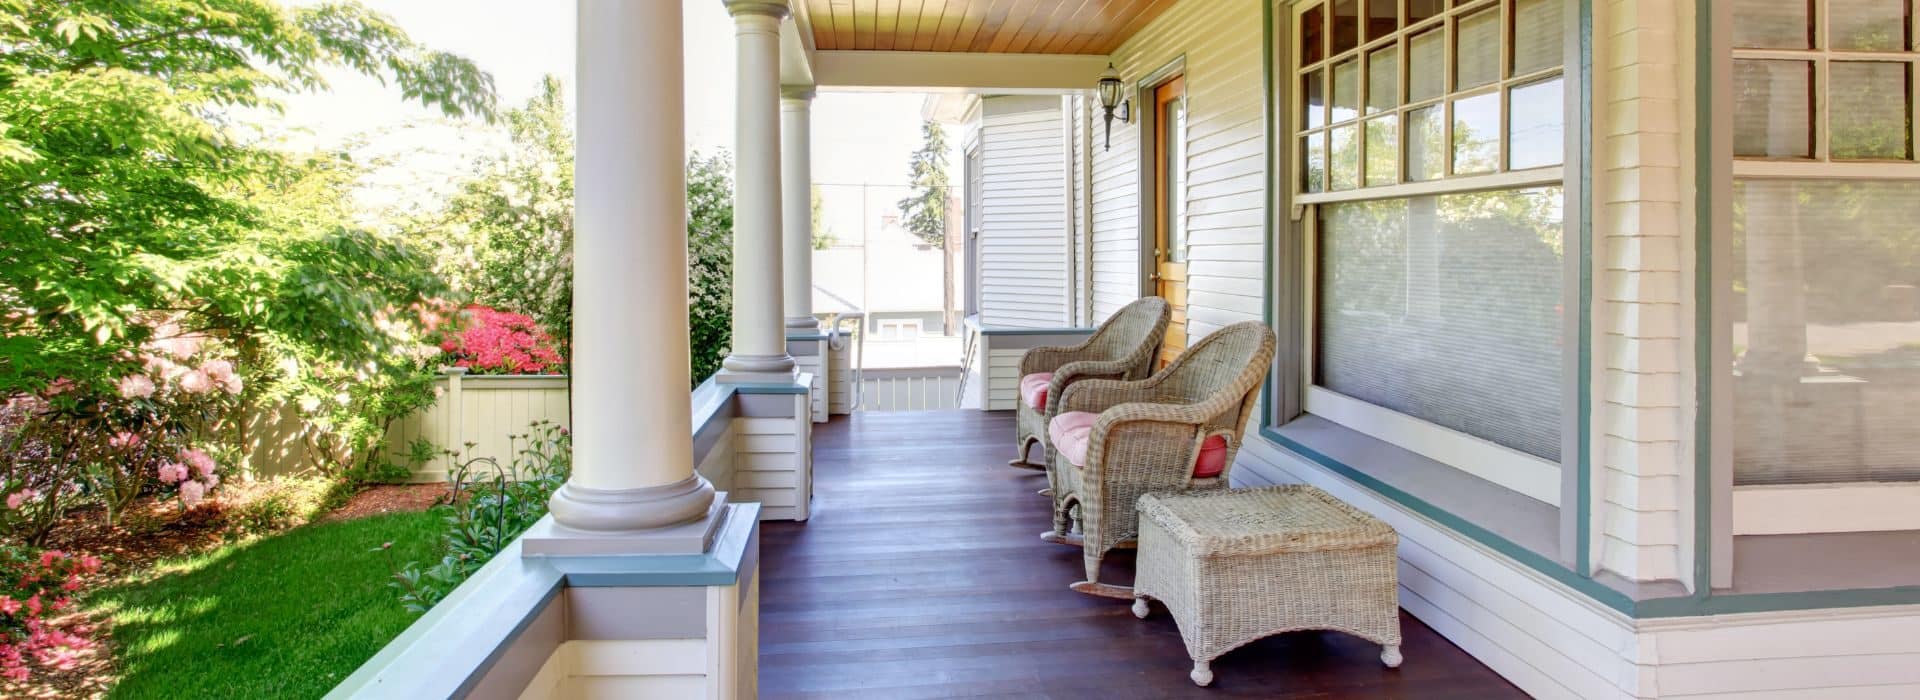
(1072, 431)
(1033, 389)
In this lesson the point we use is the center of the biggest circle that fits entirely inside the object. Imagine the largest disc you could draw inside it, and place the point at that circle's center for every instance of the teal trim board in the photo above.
(1583, 379)
(1703, 299)
(805, 337)
(1270, 239)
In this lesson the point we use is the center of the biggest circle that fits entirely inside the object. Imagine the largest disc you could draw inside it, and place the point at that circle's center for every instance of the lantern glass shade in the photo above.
(1110, 89)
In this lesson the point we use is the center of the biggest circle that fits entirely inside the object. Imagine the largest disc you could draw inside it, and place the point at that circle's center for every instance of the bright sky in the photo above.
(858, 137)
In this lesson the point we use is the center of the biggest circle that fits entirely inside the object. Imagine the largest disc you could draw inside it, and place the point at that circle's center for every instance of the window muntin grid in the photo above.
(1445, 99)
(1824, 81)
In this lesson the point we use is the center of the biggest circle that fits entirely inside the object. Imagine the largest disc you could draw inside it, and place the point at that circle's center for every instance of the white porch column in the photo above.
(632, 425)
(759, 351)
(796, 180)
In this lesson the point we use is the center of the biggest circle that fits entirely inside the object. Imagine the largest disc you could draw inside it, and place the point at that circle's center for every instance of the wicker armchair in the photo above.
(1177, 430)
(1122, 348)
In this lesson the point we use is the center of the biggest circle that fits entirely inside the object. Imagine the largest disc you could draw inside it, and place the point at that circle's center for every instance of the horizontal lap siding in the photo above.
(1226, 166)
(1024, 223)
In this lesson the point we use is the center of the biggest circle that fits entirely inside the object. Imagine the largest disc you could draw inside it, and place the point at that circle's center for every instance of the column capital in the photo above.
(776, 9)
(797, 93)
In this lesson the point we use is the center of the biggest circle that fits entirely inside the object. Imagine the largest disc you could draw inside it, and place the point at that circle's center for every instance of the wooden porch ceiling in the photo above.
(1090, 27)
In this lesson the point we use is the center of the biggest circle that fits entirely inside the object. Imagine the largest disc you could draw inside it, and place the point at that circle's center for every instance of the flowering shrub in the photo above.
(149, 431)
(33, 589)
(502, 342)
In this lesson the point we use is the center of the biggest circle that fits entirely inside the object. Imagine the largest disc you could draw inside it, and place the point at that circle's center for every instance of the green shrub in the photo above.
(490, 506)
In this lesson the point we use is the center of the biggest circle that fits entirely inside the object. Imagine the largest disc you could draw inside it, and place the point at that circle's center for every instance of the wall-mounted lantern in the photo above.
(1109, 90)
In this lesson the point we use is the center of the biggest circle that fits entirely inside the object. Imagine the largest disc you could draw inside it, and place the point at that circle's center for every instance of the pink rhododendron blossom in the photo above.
(173, 473)
(502, 341)
(19, 498)
(200, 461)
(196, 382)
(60, 386)
(191, 492)
(8, 605)
(232, 384)
(124, 440)
(212, 480)
(136, 386)
(219, 370)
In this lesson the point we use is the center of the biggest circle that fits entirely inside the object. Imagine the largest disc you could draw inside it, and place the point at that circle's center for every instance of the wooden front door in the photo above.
(1169, 206)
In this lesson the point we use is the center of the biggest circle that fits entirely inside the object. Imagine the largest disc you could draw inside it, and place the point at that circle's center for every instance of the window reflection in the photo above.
(1448, 309)
(1826, 331)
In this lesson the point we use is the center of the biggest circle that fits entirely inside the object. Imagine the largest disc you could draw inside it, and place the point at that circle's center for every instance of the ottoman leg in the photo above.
(1390, 655)
(1140, 608)
(1202, 674)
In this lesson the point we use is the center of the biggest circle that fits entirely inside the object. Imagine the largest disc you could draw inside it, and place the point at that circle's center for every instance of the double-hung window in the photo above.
(1427, 144)
(1821, 296)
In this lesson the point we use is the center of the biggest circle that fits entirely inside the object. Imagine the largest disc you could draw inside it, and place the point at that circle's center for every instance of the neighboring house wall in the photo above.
(1023, 263)
(1639, 227)
(1226, 165)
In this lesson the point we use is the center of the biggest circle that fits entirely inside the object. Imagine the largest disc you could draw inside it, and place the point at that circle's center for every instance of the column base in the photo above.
(803, 323)
(613, 511)
(549, 538)
(756, 369)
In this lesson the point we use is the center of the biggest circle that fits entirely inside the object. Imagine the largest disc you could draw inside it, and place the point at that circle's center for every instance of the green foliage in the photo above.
(491, 505)
(823, 237)
(924, 213)
(268, 506)
(506, 237)
(275, 617)
(709, 261)
(132, 202)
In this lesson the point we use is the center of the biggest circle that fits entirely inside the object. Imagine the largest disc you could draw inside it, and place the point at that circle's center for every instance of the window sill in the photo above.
(1429, 485)
(1825, 562)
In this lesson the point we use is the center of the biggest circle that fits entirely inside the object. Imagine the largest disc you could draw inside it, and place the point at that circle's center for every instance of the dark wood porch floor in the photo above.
(922, 574)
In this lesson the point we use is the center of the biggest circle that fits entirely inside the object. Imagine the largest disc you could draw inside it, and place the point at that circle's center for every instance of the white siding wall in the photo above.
(1226, 165)
(1639, 351)
(1023, 218)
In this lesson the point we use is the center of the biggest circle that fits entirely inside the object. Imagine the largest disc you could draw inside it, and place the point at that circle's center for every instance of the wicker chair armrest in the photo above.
(1098, 395)
(1137, 455)
(1051, 358)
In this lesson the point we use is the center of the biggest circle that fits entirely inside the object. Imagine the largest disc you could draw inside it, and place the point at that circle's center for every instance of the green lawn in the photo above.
(286, 616)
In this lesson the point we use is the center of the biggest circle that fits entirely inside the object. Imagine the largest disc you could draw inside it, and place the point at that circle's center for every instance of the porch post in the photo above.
(759, 332)
(796, 179)
(632, 425)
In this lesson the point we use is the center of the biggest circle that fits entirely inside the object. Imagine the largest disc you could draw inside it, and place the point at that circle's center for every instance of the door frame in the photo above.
(1149, 212)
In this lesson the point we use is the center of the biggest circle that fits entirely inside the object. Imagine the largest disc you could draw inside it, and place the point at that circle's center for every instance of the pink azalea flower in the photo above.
(200, 461)
(136, 386)
(219, 370)
(89, 563)
(191, 492)
(124, 440)
(196, 382)
(8, 605)
(173, 473)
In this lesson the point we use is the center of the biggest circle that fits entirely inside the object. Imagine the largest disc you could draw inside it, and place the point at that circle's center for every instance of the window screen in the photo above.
(1826, 331)
(1448, 309)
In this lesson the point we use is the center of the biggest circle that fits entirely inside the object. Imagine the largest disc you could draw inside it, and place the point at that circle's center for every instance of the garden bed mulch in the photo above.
(155, 529)
(391, 498)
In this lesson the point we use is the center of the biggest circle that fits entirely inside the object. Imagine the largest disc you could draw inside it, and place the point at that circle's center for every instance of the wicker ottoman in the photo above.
(1236, 566)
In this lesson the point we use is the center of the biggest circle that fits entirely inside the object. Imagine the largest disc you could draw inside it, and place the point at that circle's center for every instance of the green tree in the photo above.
(128, 194)
(924, 212)
(822, 232)
(709, 261)
(506, 237)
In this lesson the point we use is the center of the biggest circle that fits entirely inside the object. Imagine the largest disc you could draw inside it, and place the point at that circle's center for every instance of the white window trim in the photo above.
(1508, 468)
(1792, 509)
(1836, 507)
(1512, 469)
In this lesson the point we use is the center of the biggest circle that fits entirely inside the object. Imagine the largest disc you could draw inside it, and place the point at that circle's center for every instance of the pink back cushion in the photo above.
(1033, 389)
(1072, 431)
